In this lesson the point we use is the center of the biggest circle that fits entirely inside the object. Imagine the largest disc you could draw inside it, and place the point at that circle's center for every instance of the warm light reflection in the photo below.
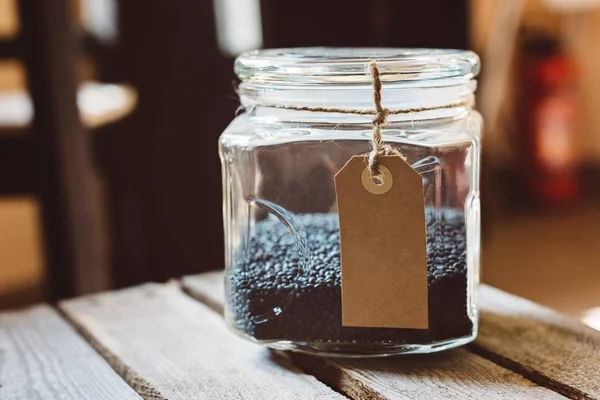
(100, 19)
(592, 318)
(239, 26)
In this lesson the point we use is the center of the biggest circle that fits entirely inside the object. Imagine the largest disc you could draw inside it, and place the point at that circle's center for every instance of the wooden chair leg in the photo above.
(75, 262)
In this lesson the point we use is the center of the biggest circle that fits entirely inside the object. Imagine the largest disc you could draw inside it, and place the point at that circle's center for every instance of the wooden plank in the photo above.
(449, 375)
(168, 346)
(208, 287)
(42, 357)
(541, 344)
(454, 374)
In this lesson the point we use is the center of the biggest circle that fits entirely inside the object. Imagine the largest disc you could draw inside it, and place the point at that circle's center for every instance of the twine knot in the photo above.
(380, 119)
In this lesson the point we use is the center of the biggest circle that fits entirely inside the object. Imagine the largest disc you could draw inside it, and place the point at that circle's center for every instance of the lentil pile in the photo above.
(268, 276)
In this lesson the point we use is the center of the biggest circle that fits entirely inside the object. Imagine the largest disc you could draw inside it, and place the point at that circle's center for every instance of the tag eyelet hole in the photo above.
(377, 184)
(378, 179)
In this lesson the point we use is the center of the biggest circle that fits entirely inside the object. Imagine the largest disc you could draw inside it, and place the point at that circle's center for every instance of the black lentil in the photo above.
(268, 275)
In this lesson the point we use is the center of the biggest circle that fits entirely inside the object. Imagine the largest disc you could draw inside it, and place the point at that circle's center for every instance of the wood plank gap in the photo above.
(178, 348)
(549, 348)
(208, 290)
(129, 375)
(213, 303)
(531, 374)
(42, 357)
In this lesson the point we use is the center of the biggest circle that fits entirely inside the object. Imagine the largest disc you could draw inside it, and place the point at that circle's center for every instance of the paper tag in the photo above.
(383, 245)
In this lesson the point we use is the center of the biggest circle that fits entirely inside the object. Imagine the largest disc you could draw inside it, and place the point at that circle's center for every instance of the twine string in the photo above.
(381, 114)
(380, 119)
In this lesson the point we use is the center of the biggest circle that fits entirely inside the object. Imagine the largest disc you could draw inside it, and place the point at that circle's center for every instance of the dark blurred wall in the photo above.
(407, 23)
(162, 163)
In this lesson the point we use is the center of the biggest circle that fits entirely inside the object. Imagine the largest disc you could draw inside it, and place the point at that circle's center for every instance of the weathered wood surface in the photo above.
(543, 345)
(548, 348)
(167, 345)
(43, 357)
(208, 287)
(455, 374)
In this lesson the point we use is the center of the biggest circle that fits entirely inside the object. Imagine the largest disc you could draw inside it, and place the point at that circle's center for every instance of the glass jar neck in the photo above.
(415, 101)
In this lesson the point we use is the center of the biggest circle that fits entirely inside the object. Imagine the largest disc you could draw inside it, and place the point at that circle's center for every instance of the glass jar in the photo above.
(279, 158)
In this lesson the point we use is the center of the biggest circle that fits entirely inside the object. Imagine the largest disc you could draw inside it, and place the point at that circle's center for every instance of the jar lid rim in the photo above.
(348, 66)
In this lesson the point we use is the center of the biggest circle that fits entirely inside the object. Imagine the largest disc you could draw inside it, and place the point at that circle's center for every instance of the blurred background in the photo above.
(110, 112)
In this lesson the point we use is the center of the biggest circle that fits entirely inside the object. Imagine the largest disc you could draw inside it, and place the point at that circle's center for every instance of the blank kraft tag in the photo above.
(383, 245)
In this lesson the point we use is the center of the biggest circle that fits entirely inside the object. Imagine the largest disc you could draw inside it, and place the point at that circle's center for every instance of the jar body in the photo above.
(283, 269)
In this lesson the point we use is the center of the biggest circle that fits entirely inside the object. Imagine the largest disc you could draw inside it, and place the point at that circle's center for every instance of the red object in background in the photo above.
(549, 110)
